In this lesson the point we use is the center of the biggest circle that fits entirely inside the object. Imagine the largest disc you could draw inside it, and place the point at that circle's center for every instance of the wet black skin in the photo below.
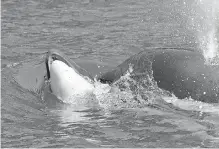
(181, 72)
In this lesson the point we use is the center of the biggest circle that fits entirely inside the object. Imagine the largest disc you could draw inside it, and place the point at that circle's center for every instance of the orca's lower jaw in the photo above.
(65, 82)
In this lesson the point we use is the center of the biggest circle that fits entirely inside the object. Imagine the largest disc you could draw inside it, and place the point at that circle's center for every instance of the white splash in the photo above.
(192, 105)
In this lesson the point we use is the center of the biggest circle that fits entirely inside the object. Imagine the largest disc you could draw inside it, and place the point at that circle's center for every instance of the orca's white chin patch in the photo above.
(66, 82)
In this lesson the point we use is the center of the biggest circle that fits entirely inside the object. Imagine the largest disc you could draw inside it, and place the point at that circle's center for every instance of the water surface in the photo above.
(98, 35)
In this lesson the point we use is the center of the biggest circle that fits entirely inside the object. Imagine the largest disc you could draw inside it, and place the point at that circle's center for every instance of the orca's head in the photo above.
(67, 79)
(53, 55)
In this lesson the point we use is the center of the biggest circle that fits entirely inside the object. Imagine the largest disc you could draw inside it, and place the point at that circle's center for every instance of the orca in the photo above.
(181, 72)
(67, 79)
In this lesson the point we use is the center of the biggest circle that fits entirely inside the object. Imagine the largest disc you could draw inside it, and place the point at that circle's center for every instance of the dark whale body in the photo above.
(181, 72)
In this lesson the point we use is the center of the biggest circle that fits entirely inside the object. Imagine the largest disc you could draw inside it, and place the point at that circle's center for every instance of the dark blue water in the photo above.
(99, 35)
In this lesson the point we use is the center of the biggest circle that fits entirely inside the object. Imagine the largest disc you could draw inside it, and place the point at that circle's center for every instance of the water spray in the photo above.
(204, 20)
(208, 32)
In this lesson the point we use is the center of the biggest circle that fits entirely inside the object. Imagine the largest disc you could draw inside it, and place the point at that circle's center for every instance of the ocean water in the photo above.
(98, 35)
